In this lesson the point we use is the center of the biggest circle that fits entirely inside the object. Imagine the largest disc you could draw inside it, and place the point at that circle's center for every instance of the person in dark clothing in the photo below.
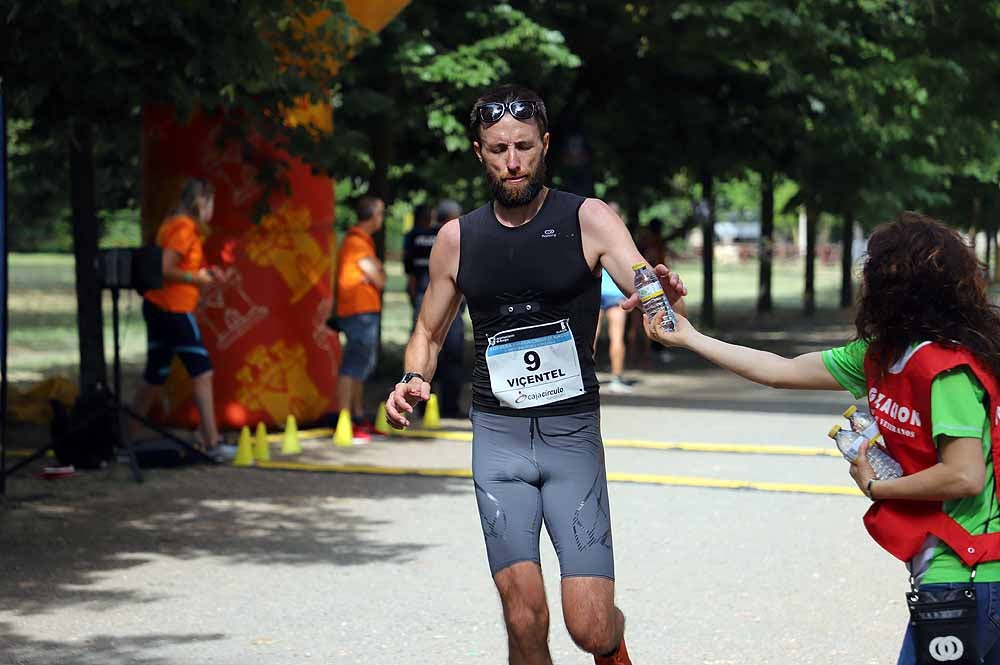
(417, 245)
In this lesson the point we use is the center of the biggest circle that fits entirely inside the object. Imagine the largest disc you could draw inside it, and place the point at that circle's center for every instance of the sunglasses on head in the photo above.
(493, 111)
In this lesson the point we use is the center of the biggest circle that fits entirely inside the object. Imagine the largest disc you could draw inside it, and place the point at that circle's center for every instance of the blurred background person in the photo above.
(168, 312)
(417, 244)
(649, 241)
(450, 375)
(360, 280)
(616, 317)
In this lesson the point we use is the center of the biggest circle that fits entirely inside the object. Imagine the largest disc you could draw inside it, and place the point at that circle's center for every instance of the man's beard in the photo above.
(518, 197)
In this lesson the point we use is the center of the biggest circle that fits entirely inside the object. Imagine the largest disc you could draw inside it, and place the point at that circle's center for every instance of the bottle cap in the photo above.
(875, 439)
(835, 431)
(851, 410)
(637, 266)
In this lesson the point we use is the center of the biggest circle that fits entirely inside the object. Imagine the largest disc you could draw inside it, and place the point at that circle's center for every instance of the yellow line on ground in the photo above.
(739, 448)
(719, 483)
(636, 478)
(366, 469)
(742, 448)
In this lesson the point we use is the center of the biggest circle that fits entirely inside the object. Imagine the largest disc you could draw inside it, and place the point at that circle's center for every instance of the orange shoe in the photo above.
(620, 657)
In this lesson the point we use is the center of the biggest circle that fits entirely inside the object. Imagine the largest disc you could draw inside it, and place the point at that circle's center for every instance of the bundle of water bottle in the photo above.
(863, 428)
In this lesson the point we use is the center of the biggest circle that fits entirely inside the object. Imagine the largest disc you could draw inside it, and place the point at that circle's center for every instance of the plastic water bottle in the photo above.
(651, 295)
(849, 443)
(861, 422)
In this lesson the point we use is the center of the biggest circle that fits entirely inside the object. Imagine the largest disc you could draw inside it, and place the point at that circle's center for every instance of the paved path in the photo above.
(250, 566)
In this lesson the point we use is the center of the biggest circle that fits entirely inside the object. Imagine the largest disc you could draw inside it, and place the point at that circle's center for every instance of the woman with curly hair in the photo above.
(927, 357)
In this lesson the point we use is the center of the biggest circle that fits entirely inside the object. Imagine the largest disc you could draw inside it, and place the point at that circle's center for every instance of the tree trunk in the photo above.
(766, 245)
(809, 297)
(708, 251)
(4, 321)
(847, 261)
(382, 150)
(90, 328)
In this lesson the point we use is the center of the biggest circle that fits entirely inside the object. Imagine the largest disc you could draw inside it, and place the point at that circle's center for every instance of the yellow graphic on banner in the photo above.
(276, 379)
(282, 241)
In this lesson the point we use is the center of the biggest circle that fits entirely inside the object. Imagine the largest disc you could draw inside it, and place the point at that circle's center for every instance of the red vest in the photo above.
(900, 401)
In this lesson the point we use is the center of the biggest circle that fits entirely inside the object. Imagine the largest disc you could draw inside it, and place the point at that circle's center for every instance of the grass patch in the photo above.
(43, 335)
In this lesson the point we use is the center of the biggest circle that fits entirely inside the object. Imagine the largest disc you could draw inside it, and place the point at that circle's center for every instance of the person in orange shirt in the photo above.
(168, 311)
(360, 280)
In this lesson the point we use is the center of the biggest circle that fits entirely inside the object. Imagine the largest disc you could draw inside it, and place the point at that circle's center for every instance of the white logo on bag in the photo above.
(944, 649)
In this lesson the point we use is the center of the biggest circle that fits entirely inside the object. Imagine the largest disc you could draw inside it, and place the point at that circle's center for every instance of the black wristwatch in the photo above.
(409, 376)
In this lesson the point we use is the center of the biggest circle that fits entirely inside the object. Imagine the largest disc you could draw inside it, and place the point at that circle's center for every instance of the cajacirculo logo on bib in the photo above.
(534, 365)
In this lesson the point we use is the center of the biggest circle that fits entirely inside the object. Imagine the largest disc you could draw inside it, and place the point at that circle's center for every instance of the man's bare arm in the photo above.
(440, 305)
(606, 240)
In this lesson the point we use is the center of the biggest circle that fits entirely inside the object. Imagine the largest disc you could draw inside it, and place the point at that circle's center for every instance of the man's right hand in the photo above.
(403, 398)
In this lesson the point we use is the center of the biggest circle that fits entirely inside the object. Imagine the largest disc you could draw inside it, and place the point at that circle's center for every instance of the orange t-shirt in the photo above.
(354, 294)
(181, 235)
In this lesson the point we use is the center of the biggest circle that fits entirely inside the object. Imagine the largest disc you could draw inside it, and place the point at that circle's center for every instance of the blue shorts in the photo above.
(361, 349)
(167, 334)
(611, 300)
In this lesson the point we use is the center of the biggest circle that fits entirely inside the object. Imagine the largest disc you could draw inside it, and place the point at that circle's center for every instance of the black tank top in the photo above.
(521, 280)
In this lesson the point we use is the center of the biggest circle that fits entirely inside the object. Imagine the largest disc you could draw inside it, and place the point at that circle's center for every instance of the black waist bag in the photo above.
(944, 626)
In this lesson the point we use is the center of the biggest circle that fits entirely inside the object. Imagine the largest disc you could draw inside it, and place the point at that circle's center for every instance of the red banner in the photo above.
(263, 322)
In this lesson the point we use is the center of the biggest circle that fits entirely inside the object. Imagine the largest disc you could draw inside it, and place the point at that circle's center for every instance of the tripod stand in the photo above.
(117, 268)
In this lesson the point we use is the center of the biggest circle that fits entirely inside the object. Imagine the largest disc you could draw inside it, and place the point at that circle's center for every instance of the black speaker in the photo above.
(139, 268)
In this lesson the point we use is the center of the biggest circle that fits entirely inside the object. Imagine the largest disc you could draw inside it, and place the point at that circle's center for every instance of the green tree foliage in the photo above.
(403, 104)
(80, 72)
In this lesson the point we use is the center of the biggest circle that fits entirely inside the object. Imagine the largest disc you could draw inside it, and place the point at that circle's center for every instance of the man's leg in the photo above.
(358, 400)
(592, 619)
(345, 392)
(353, 363)
(525, 612)
(578, 518)
(510, 511)
(368, 349)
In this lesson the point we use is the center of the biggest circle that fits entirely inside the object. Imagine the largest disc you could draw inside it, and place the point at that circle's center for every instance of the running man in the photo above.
(529, 266)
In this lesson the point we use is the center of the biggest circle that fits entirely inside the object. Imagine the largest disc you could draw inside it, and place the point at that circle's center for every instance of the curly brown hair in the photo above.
(923, 282)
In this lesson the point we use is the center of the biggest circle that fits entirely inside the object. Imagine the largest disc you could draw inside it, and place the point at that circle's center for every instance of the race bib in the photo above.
(535, 365)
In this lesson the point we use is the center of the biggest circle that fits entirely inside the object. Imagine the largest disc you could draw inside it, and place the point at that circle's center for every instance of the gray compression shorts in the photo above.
(527, 470)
